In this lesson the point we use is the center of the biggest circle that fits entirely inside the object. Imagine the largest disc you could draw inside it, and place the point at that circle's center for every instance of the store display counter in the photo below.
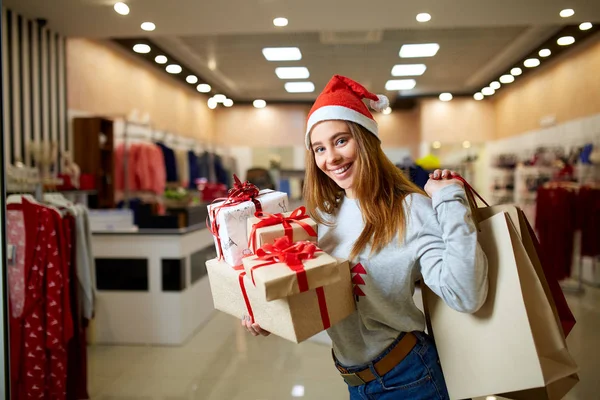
(151, 285)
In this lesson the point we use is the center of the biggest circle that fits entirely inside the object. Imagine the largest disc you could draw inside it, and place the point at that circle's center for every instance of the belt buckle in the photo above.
(353, 379)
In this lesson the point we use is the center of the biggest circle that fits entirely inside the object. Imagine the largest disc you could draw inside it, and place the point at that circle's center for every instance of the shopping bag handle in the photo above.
(469, 188)
(471, 193)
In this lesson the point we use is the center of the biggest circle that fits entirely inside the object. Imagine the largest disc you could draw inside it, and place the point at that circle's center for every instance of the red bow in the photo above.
(276, 219)
(283, 251)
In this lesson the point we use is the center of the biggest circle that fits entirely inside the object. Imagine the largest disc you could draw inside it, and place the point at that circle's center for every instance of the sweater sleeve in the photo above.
(452, 263)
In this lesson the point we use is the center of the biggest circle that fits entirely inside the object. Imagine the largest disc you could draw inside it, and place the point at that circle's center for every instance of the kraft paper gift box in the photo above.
(230, 227)
(295, 318)
(296, 225)
(284, 268)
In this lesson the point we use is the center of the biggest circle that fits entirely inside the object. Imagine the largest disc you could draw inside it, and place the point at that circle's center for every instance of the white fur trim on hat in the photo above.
(381, 104)
(331, 113)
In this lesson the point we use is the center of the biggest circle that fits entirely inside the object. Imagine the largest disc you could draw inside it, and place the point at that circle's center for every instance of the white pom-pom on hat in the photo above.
(381, 104)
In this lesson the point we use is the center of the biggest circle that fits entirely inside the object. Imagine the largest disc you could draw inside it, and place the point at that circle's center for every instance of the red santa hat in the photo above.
(342, 100)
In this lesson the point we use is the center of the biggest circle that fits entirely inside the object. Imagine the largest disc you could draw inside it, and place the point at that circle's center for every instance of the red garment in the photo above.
(38, 360)
(589, 220)
(145, 168)
(556, 225)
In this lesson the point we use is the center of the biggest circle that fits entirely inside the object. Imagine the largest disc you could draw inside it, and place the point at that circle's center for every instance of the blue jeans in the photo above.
(417, 377)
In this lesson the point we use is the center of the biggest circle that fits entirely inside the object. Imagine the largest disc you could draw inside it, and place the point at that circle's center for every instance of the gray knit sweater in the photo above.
(440, 245)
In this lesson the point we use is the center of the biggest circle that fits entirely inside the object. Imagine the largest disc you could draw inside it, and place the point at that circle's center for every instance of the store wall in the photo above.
(103, 79)
(566, 89)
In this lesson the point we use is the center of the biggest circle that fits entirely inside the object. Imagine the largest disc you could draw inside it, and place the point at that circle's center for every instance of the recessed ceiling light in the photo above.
(298, 391)
(203, 88)
(419, 50)
(490, 398)
(141, 48)
(436, 145)
(507, 79)
(174, 69)
(220, 98)
(228, 103)
(466, 144)
(585, 26)
(259, 103)
(121, 8)
(445, 96)
(423, 17)
(478, 96)
(148, 26)
(212, 103)
(488, 91)
(409, 69)
(282, 53)
(299, 87)
(292, 72)
(516, 71)
(545, 53)
(191, 79)
(400, 84)
(280, 21)
(387, 111)
(566, 40)
(495, 85)
(161, 59)
(567, 12)
(531, 62)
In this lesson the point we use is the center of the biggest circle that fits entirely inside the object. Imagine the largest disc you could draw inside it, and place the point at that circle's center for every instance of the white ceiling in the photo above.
(479, 39)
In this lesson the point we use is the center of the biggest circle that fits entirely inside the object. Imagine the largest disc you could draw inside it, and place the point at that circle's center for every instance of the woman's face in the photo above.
(335, 152)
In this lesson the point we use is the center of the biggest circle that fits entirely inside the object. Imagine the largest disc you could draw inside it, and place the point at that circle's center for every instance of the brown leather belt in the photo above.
(383, 366)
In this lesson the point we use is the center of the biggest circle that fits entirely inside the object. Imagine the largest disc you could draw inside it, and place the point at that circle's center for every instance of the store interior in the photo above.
(130, 118)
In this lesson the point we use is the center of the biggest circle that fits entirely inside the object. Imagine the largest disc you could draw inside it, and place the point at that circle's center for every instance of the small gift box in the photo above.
(228, 218)
(295, 318)
(284, 268)
(264, 228)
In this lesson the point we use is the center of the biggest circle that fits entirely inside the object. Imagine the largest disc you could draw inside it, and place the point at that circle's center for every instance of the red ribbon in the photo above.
(323, 308)
(244, 292)
(283, 251)
(279, 219)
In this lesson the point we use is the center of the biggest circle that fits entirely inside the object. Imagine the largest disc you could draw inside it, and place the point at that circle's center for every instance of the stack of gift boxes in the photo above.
(269, 268)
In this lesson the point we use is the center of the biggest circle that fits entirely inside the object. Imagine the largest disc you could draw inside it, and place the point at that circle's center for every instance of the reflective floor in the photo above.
(223, 362)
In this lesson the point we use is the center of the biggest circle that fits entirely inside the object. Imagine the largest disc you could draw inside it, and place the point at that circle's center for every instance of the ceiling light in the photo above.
(400, 84)
(148, 26)
(488, 91)
(566, 40)
(423, 17)
(121, 8)
(228, 103)
(478, 96)
(567, 12)
(298, 391)
(203, 88)
(161, 59)
(174, 69)
(419, 50)
(516, 71)
(495, 85)
(445, 96)
(212, 103)
(585, 26)
(300, 87)
(545, 53)
(191, 79)
(220, 98)
(141, 48)
(409, 69)
(387, 111)
(466, 144)
(436, 145)
(531, 62)
(280, 21)
(259, 103)
(490, 398)
(282, 53)
(292, 72)
(507, 79)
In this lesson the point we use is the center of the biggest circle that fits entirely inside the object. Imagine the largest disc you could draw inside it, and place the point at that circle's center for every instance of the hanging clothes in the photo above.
(194, 169)
(145, 168)
(169, 161)
(183, 167)
(588, 206)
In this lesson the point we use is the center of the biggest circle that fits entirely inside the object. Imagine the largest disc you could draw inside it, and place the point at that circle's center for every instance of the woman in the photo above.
(393, 235)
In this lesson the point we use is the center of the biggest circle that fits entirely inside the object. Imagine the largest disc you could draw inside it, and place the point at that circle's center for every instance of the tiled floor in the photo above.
(223, 362)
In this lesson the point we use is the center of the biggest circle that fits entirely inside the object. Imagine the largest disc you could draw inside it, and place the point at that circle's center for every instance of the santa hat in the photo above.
(342, 100)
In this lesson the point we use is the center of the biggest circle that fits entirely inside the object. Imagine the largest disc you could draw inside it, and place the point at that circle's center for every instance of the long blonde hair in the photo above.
(379, 186)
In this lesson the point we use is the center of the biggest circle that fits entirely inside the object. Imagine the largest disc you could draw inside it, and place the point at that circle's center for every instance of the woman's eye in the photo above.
(319, 149)
(340, 141)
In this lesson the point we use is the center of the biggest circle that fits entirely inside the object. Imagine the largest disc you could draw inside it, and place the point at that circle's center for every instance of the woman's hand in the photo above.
(440, 179)
(254, 329)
